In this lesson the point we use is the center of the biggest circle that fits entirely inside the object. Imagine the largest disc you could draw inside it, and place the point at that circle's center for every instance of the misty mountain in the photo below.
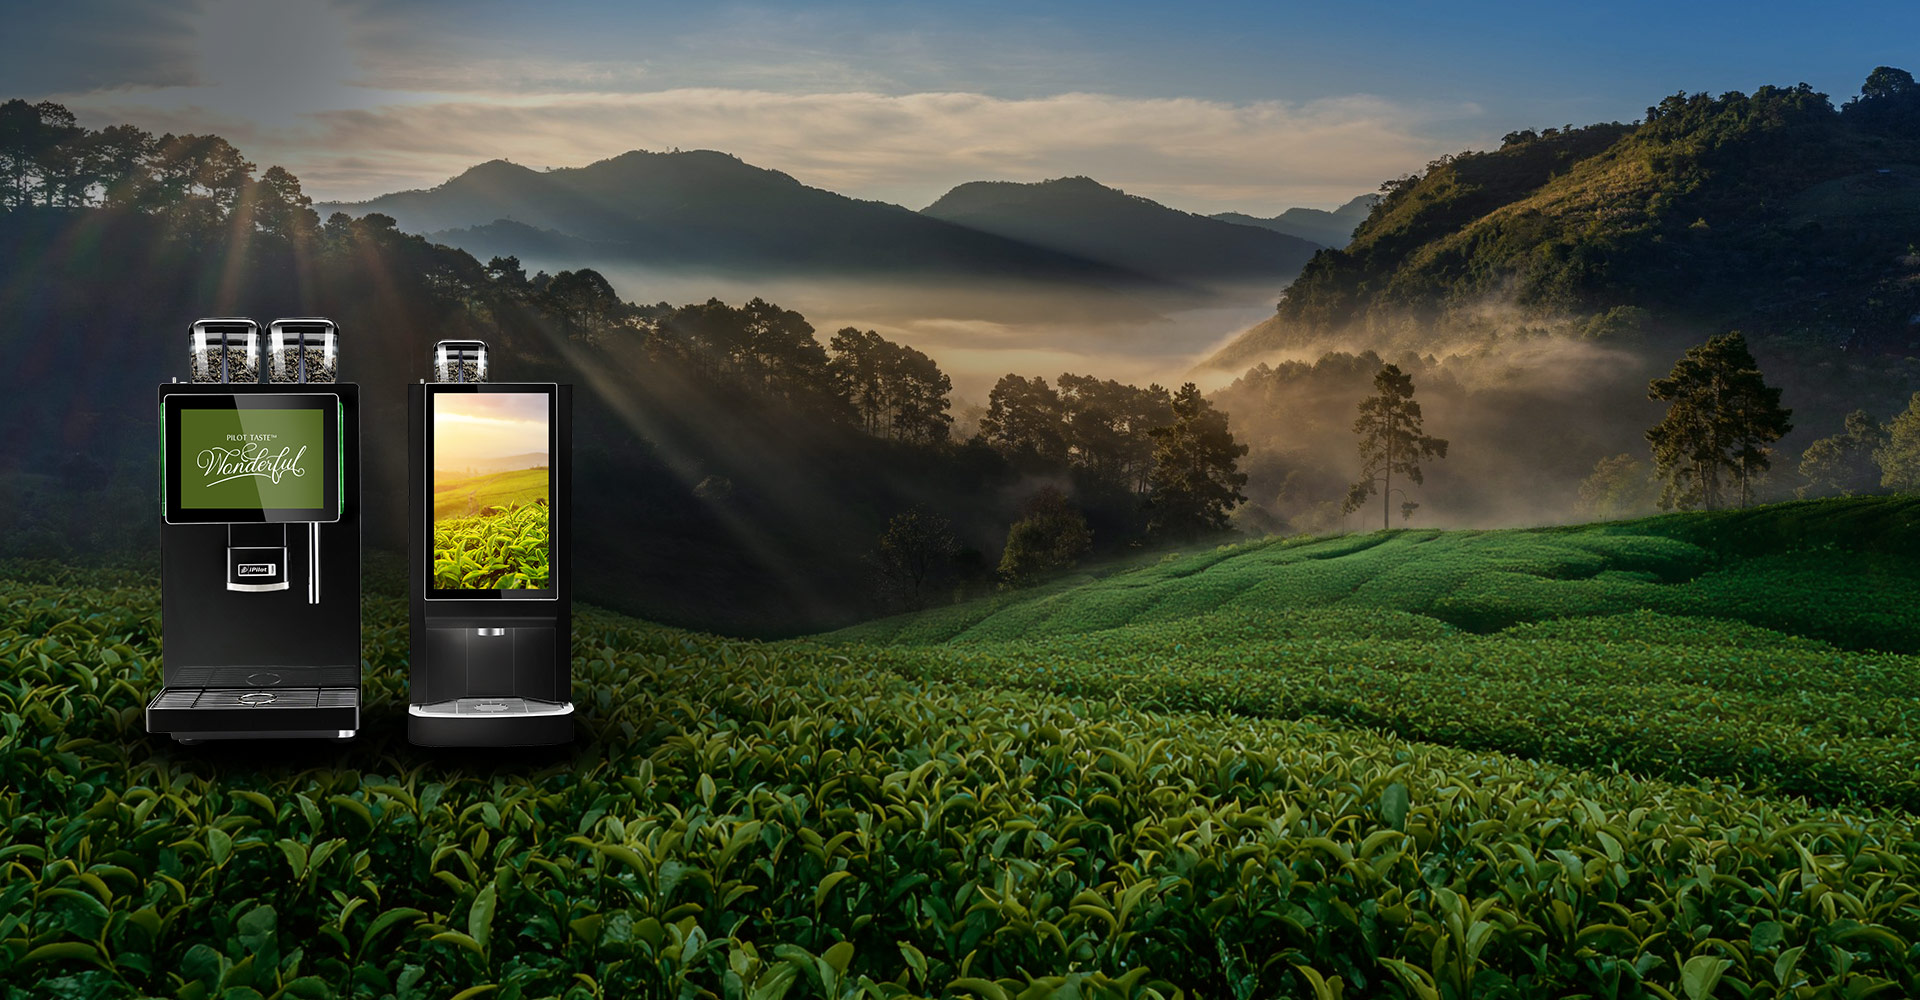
(1329, 229)
(1081, 217)
(1775, 213)
(707, 209)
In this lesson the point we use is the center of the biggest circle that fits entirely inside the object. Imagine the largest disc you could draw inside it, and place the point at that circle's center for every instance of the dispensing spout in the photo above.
(313, 562)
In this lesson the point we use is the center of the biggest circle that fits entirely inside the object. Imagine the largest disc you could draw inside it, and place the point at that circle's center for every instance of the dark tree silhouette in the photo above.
(914, 553)
(1721, 416)
(1050, 536)
(1196, 479)
(1026, 419)
(1392, 439)
(1108, 427)
(896, 392)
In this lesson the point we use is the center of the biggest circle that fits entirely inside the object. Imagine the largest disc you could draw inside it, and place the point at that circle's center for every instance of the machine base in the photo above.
(490, 722)
(192, 714)
(194, 739)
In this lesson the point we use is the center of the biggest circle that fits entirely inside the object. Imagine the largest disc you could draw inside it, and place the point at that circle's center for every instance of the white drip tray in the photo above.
(489, 708)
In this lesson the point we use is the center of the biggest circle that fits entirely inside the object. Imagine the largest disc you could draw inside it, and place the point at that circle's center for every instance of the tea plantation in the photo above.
(1672, 758)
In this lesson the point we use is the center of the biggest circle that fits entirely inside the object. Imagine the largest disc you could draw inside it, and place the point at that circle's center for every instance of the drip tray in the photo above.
(485, 708)
(214, 712)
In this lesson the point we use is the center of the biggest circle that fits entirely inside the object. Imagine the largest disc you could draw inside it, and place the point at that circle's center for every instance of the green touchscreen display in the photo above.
(252, 459)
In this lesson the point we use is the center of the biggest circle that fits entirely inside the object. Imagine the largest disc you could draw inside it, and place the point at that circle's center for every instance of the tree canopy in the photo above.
(1721, 417)
(1195, 482)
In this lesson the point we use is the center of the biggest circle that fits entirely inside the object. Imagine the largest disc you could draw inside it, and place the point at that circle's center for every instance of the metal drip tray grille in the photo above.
(213, 712)
(257, 698)
(482, 708)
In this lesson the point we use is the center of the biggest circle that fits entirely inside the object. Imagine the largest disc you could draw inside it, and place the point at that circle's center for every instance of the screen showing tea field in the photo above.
(492, 491)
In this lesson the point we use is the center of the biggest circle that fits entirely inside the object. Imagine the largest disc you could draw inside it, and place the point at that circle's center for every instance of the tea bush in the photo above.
(507, 550)
(1116, 812)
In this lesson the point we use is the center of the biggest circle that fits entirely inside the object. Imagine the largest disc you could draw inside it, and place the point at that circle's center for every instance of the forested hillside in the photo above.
(1773, 212)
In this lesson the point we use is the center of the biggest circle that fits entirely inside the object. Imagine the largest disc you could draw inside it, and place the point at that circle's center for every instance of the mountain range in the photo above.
(1329, 229)
(1084, 218)
(708, 210)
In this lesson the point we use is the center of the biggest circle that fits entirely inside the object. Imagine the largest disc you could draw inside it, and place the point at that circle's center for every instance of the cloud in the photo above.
(1200, 155)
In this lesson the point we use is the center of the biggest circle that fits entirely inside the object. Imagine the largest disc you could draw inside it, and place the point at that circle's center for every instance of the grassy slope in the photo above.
(738, 815)
(459, 497)
(1769, 646)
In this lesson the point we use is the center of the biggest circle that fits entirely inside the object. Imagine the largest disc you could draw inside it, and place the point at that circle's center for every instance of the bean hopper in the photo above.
(259, 539)
(489, 501)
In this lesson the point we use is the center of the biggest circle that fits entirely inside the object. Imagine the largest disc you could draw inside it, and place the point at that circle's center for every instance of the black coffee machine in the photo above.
(260, 537)
(489, 549)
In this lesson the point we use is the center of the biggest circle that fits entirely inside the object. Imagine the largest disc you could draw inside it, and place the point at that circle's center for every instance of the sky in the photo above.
(1204, 106)
(470, 427)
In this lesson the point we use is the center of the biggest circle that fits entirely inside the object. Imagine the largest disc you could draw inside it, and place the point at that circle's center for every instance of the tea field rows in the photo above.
(1057, 804)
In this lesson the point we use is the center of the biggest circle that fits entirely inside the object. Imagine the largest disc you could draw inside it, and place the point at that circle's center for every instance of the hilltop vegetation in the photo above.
(1771, 212)
(1038, 795)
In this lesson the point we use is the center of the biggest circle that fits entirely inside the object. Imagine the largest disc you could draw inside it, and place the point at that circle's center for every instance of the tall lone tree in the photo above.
(1196, 478)
(1721, 416)
(1392, 440)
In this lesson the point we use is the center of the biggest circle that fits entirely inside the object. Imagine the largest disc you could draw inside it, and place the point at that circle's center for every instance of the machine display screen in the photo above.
(252, 457)
(490, 491)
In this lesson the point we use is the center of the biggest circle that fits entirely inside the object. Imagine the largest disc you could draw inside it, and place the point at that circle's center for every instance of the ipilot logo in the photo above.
(257, 569)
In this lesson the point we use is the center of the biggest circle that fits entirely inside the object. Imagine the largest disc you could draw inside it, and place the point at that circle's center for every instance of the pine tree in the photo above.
(1391, 440)
(1721, 416)
(1195, 480)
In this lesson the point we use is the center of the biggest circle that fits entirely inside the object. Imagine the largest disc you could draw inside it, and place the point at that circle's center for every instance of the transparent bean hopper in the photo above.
(489, 498)
(259, 541)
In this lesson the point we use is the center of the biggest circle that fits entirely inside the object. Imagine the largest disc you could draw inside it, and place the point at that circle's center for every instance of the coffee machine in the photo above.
(489, 549)
(259, 538)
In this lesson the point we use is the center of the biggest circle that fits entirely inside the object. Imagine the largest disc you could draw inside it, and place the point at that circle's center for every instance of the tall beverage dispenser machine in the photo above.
(259, 537)
(489, 506)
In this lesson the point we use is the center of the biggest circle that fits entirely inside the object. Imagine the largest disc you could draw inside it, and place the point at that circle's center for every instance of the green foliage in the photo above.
(1721, 415)
(1844, 463)
(1899, 457)
(788, 820)
(914, 554)
(1694, 215)
(507, 549)
(469, 495)
(1688, 645)
(1050, 537)
(1196, 478)
(1620, 486)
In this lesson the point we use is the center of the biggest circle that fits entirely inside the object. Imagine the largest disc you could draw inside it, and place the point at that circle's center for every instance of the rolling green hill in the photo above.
(1774, 212)
(1186, 774)
(1773, 645)
(473, 494)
